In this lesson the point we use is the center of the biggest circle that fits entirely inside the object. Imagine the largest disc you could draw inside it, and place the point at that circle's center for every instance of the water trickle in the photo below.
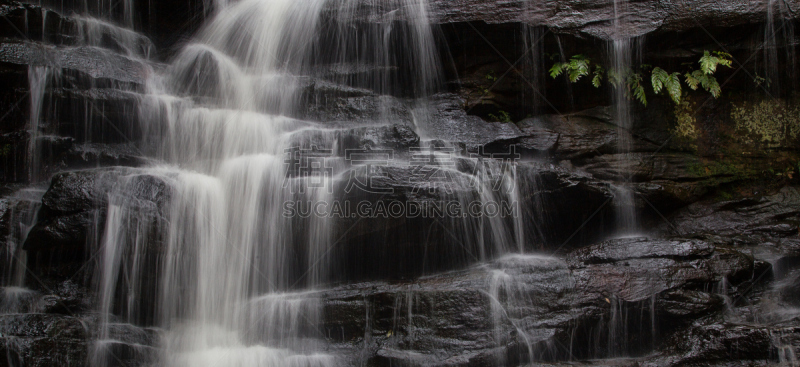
(778, 49)
(622, 58)
(38, 78)
(22, 209)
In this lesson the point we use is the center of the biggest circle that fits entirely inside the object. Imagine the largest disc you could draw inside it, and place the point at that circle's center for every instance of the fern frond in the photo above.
(658, 78)
(578, 67)
(557, 69)
(635, 86)
(708, 63)
(638, 92)
(673, 85)
(711, 85)
(598, 76)
(693, 79)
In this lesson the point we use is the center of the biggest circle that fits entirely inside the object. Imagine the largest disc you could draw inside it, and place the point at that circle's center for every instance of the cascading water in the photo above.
(233, 274)
(621, 48)
(778, 35)
(38, 77)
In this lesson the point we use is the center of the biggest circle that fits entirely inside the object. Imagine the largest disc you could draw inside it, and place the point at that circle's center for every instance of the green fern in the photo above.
(597, 81)
(635, 87)
(697, 79)
(674, 87)
(693, 79)
(578, 67)
(557, 69)
(662, 80)
(709, 62)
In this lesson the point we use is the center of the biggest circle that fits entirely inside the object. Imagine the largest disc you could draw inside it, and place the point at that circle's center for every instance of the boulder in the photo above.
(74, 207)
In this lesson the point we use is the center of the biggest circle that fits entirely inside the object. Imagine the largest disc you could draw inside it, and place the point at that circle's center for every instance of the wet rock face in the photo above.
(74, 209)
(593, 17)
(43, 340)
(519, 308)
(627, 249)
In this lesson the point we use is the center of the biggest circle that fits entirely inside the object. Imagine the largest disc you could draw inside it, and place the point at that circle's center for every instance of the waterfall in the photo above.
(221, 267)
(37, 77)
(621, 51)
(778, 34)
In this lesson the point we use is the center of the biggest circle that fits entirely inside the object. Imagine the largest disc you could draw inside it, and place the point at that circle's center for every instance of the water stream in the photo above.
(233, 273)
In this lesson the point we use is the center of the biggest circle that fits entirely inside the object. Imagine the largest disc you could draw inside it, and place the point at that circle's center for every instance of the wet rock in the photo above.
(79, 191)
(635, 248)
(398, 138)
(646, 167)
(734, 265)
(448, 319)
(360, 109)
(103, 155)
(94, 63)
(518, 308)
(586, 17)
(68, 232)
(706, 344)
(689, 303)
(43, 340)
(575, 136)
(775, 216)
(74, 207)
(449, 122)
(638, 268)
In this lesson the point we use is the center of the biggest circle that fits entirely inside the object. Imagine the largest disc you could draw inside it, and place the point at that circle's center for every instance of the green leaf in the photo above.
(598, 76)
(708, 63)
(710, 84)
(578, 67)
(557, 69)
(693, 79)
(673, 84)
(724, 58)
(635, 86)
(658, 78)
(638, 92)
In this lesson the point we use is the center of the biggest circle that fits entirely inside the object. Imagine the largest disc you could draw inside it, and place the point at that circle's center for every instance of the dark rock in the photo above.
(78, 191)
(521, 307)
(74, 206)
(95, 155)
(635, 269)
(733, 265)
(706, 344)
(451, 315)
(93, 63)
(44, 340)
(689, 303)
(775, 216)
(575, 136)
(635, 248)
(572, 207)
(639, 279)
(449, 122)
(362, 109)
(595, 18)
(67, 232)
